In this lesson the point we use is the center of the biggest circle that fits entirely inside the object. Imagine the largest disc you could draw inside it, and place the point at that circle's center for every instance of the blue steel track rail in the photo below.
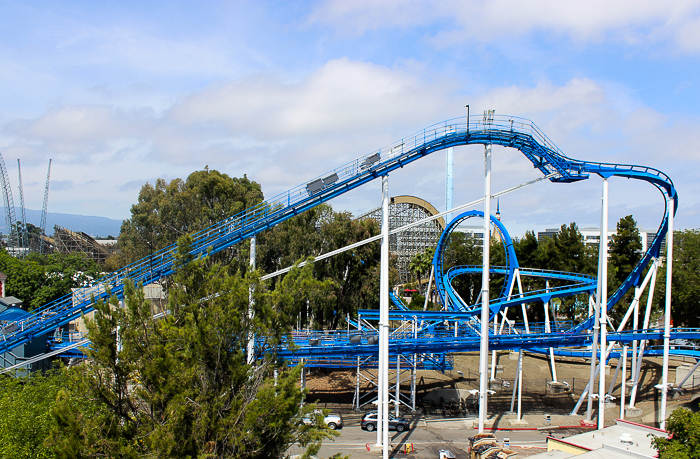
(579, 283)
(443, 282)
(506, 131)
(468, 343)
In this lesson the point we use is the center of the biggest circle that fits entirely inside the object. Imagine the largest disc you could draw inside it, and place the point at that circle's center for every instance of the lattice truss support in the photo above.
(405, 245)
(366, 374)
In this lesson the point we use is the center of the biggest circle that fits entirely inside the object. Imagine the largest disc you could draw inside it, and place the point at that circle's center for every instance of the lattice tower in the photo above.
(9, 203)
(22, 231)
(44, 208)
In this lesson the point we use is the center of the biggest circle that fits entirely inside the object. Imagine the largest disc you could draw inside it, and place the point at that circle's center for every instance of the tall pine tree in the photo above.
(181, 385)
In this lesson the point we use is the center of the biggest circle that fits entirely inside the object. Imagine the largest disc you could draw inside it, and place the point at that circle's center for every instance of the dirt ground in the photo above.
(335, 389)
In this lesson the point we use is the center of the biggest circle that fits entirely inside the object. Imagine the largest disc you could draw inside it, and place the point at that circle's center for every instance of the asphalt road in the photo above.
(428, 437)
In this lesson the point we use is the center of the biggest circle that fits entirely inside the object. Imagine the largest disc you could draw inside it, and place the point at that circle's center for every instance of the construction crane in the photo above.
(9, 203)
(22, 232)
(43, 210)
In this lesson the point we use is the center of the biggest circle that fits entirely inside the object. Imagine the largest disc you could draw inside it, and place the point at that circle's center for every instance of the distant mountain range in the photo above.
(94, 226)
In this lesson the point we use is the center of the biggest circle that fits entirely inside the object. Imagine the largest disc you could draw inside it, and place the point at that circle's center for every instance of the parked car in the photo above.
(369, 422)
(333, 421)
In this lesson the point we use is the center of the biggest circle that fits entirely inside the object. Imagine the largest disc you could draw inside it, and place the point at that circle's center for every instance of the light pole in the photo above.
(467, 118)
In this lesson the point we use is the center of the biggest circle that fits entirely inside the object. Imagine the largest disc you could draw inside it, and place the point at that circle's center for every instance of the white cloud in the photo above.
(630, 21)
(342, 96)
(283, 133)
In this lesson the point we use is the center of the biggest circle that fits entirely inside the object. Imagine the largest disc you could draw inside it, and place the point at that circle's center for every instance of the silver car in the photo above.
(333, 421)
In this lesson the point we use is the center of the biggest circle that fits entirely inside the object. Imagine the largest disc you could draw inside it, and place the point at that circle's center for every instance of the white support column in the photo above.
(635, 326)
(449, 186)
(518, 386)
(430, 286)
(690, 374)
(594, 353)
(357, 385)
(413, 384)
(383, 406)
(603, 305)
(617, 373)
(518, 382)
(667, 312)
(484, 347)
(623, 387)
(250, 350)
(524, 309)
(397, 400)
(647, 317)
(415, 363)
(548, 329)
(493, 353)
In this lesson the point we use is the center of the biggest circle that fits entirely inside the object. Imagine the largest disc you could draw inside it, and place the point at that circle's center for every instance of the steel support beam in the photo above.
(484, 348)
(667, 312)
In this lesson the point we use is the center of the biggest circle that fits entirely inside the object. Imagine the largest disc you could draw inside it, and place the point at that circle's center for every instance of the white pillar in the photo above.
(596, 327)
(430, 286)
(398, 385)
(667, 311)
(493, 352)
(635, 326)
(250, 350)
(449, 186)
(548, 330)
(623, 387)
(415, 363)
(647, 317)
(413, 384)
(357, 385)
(384, 322)
(484, 347)
(603, 305)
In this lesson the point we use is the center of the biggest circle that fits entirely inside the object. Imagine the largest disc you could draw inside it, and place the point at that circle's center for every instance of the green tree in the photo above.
(181, 386)
(167, 211)
(566, 251)
(464, 249)
(350, 279)
(570, 250)
(41, 279)
(625, 251)
(25, 413)
(526, 249)
(420, 264)
(683, 441)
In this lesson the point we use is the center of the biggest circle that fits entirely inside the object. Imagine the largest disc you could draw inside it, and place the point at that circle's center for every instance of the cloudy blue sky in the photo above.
(120, 93)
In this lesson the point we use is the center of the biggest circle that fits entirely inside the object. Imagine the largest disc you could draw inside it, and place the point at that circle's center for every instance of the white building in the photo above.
(591, 236)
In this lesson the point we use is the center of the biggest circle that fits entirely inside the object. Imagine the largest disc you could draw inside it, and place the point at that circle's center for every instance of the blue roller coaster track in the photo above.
(512, 132)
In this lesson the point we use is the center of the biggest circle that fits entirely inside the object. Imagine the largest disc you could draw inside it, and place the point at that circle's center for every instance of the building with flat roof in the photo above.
(625, 439)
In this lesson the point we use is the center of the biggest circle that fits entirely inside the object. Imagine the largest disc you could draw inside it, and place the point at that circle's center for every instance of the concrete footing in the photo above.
(556, 387)
(495, 384)
(520, 423)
